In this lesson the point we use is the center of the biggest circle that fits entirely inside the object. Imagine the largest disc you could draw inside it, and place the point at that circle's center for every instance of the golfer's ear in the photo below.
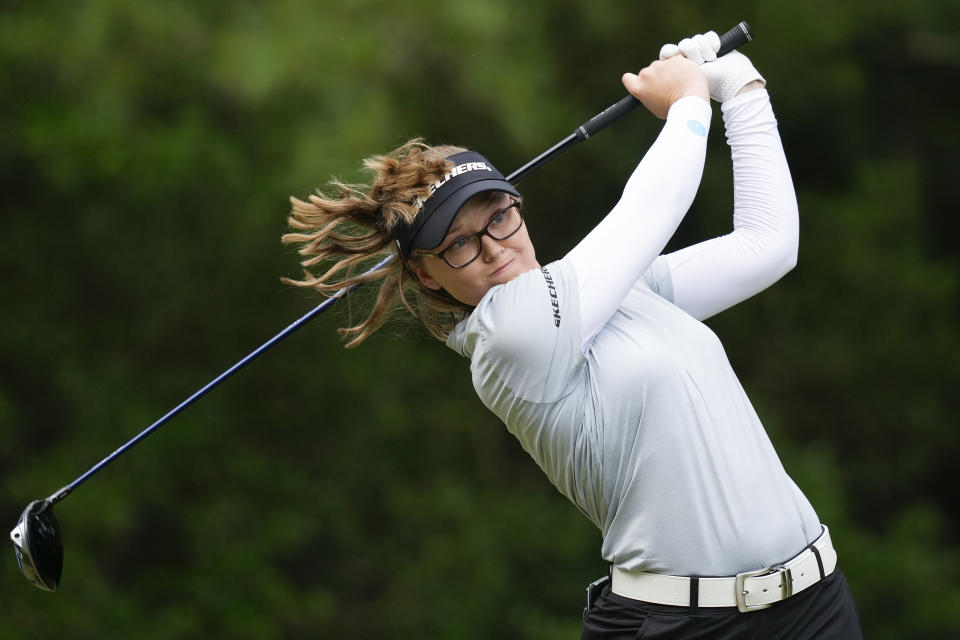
(423, 276)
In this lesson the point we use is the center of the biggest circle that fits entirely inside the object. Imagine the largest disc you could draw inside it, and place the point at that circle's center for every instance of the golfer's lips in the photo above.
(501, 268)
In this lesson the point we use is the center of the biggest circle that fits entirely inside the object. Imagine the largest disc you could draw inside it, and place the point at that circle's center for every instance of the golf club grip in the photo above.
(739, 35)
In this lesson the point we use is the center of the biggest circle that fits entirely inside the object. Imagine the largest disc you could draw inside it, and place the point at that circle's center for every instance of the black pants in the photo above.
(825, 611)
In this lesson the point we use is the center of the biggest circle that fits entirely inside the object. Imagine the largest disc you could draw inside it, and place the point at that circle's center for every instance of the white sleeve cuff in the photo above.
(690, 108)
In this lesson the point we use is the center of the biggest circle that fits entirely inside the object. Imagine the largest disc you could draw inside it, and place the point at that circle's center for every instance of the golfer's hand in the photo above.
(664, 82)
(728, 76)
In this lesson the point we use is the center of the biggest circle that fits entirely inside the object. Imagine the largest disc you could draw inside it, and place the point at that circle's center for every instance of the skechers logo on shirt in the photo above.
(554, 301)
(453, 173)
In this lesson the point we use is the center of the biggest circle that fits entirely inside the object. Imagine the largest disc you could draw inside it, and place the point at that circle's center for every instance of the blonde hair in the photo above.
(351, 232)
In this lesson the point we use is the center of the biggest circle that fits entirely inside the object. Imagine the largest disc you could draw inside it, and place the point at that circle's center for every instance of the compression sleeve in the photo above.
(716, 274)
(616, 253)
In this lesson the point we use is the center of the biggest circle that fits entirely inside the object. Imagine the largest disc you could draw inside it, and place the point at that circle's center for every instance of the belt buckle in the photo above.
(786, 587)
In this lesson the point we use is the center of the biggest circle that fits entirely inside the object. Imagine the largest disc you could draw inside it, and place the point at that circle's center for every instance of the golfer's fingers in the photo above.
(668, 51)
(644, 87)
(636, 83)
(640, 84)
(691, 50)
(631, 82)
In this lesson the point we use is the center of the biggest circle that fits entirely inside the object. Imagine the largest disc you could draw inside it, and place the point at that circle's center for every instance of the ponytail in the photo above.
(341, 236)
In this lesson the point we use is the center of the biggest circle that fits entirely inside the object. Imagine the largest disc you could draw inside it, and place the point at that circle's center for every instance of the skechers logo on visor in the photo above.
(450, 175)
(470, 174)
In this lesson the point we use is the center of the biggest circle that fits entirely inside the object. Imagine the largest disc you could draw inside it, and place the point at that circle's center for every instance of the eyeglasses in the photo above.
(465, 249)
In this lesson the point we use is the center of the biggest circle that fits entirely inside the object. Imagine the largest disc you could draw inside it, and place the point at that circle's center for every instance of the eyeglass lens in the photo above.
(504, 224)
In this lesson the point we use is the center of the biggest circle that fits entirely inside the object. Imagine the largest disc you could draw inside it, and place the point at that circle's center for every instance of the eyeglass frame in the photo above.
(485, 231)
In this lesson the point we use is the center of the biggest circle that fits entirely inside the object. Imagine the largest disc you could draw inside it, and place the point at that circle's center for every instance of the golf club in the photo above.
(37, 540)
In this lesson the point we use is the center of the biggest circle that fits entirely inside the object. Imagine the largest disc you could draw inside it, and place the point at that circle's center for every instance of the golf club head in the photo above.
(38, 545)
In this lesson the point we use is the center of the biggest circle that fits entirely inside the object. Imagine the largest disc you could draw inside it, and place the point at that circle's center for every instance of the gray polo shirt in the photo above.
(647, 430)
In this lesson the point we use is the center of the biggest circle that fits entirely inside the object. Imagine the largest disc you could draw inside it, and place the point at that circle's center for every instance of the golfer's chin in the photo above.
(508, 271)
(512, 268)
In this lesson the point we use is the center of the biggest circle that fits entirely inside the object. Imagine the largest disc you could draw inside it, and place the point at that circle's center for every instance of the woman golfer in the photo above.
(599, 364)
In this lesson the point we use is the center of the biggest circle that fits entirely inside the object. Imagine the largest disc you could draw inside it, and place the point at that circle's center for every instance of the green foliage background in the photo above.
(146, 154)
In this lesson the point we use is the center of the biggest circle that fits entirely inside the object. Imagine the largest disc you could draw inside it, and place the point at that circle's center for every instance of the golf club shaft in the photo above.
(253, 355)
(730, 40)
(63, 492)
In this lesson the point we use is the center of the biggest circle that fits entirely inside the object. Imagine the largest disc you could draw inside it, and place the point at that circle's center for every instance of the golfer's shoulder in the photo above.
(520, 344)
(530, 317)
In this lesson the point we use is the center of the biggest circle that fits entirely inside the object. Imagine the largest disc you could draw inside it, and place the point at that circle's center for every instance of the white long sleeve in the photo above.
(616, 253)
(716, 274)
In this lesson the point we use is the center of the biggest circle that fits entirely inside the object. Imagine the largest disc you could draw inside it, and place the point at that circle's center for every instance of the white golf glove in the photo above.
(726, 75)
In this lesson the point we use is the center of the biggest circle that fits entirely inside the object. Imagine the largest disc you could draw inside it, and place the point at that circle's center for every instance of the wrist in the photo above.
(751, 86)
(738, 102)
(691, 108)
(698, 86)
(700, 90)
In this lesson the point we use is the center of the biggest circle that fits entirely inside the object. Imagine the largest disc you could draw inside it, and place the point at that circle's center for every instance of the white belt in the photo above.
(748, 591)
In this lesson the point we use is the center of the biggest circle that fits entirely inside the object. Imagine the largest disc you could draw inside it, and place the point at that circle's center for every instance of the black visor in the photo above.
(471, 174)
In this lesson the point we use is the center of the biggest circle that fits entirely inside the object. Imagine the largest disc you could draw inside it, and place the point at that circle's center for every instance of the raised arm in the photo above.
(612, 257)
(716, 274)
